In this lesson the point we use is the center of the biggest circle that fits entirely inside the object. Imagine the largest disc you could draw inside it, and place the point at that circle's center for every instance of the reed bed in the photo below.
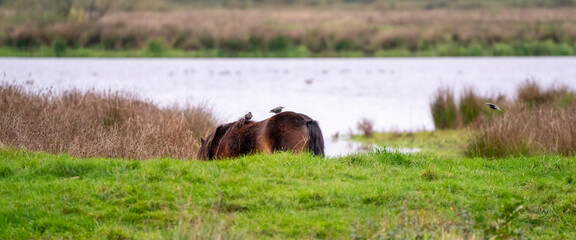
(539, 121)
(444, 109)
(99, 124)
(527, 132)
(327, 31)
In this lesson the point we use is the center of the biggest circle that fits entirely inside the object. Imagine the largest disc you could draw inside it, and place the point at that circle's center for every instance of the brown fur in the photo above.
(287, 131)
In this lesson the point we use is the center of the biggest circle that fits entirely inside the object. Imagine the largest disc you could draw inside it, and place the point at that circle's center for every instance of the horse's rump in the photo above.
(287, 131)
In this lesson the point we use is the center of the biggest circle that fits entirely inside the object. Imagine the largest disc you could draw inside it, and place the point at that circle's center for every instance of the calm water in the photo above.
(393, 92)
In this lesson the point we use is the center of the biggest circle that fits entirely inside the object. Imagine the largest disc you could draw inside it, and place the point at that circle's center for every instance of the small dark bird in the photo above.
(248, 116)
(493, 106)
(277, 110)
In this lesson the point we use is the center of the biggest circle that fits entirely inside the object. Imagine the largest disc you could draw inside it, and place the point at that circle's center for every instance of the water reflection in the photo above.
(346, 147)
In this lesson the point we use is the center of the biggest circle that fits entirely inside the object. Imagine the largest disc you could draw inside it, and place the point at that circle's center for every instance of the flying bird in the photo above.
(493, 106)
(248, 116)
(277, 110)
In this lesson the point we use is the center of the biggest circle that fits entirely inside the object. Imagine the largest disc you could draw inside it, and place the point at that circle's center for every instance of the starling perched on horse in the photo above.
(248, 116)
(277, 110)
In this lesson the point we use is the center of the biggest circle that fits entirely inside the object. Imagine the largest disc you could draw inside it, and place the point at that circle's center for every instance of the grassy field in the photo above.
(380, 195)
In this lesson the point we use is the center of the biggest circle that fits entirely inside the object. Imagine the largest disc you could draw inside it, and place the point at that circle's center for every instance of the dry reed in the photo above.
(526, 132)
(540, 121)
(530, 95)
(472, 106)
(444, 109)
(99, 124)
(316, 29)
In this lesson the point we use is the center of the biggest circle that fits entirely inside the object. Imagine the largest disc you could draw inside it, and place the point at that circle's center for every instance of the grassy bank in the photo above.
(440, 142)
(517, 48)
(284, 196)
(296, 32)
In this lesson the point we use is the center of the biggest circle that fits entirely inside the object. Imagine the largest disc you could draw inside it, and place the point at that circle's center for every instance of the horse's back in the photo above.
(287, 131)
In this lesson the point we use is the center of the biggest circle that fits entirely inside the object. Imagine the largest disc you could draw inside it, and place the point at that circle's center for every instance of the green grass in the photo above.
(439, 142)
(159, 49)
(283, 196)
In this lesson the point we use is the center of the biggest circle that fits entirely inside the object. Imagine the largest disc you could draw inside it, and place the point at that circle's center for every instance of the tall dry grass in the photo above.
(540, 120)
(472, 106)
(526, 132)
(531, 95)
(444, 109)
(449, 112)
(99, 124)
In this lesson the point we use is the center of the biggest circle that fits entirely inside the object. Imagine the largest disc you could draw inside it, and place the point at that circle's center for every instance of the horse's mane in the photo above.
(207, 150)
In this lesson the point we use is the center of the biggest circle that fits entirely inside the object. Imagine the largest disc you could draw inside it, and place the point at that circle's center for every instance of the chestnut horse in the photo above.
(287, 131)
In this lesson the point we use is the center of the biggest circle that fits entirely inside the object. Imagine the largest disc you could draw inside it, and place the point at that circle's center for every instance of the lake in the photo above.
(394, 93)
